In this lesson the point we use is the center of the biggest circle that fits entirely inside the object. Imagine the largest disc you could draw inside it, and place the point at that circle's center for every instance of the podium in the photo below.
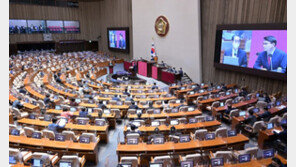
(156, 72)
(145, 68)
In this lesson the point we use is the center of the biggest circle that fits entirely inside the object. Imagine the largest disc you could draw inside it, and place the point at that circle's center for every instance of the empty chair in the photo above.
(19, 114)
(82, 119)
(133, 160)
(48, 134)
(131, 111)
(240, 98)
(201, 118)
(233, 113)
(221, 132)
(226, 155)
(214, 105)
(212, 96)
(222, 93)
(261, 104)
(200, 134)
(274, 120)
(113, 102)
(228, 101)
(258, 125)
(41, 104)
(92, 137)
(74, 160)
(196, 158)
(161, 121)
(250, 95)
(128, 103)
(182, 120)
(250, 108)
(20, 156)
(284, 117)
(183, 109)
(143, 103)
(11, 127)
(47, 159)
(251, 150)
(29, 131)
(172, 101)
(70, 135)
(133, 135)
(166, 160)
(158, 102)
(150, 111)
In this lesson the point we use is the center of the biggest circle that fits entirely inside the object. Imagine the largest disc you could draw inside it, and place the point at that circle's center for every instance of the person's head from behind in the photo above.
(100, 102)
(19, 98)
(269, 43)
(72, 100)
(154, 83)
(133, 127)
(54, 120)
(173, 129)
(133, 102)
(83, 109)
(156, 130)
(139, 115)
(251, 112)
(235, 41)
(65, 110)
(47, 95)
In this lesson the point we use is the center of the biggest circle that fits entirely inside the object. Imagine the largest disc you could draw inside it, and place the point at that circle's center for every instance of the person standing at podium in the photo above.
(236, 52)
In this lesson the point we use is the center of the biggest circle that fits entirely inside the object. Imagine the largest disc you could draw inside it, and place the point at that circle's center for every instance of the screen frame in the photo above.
(126, 29)
(245, 70)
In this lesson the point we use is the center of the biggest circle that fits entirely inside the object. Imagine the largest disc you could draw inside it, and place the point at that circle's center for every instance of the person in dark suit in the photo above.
(121, 42)
(272, 58)
(235, 51)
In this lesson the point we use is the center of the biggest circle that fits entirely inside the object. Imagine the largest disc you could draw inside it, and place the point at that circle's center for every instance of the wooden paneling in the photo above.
(215, 12)
(94, 17)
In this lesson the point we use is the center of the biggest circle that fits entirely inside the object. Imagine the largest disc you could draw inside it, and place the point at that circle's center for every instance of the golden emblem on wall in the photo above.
(161, 26)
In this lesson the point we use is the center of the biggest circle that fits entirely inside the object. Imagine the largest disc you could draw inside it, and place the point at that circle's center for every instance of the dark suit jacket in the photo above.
(241, 54)
(122, 44)
(279, 59)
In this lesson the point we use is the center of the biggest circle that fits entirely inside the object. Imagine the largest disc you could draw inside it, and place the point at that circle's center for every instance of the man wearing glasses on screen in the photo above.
(237, 55)
(272, 58)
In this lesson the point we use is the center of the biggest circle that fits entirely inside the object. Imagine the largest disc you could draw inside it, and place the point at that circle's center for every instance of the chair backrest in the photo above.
(252, 150)
(228, 101)
(48, 134)
(128, 103)
(234, 113)
(116, 112)
(92, 137)
(113, 102)
(150, 111)
(173, 101)
(258, 125)
(131, 111)
(240, 98)
(182, 120)
(212, 96)
(143, 103)
(41, 104)
(158, 102)
(274, 120)
(29, 131)
(166, 160)
(284, 117)
(69, 135)
(43, 156)
(133, 135)
(221, 132)
(226, 155)
(74, 159)
(16, 112)
(11, 127)
(222, 93)
(215, 104)
(200, 118)
(183, 108)
(16, 153)
(250, 108)
(261, 104)
(197, 158)
(133, 160)
(200, 134)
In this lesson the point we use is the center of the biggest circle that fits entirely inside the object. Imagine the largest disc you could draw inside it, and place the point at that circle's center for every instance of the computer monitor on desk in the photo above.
(100, 122)
(209, 118)
(37, 163)
(84, 139)
(242, 113)
(174, 122)
(210, 136)
(268, 153)
(184, 138)
(59, 137)
(132, 141)
(126, 164)
(158, 164)
(72, 109)
(255, 110)
(231, 133)
(65, 164)
(155, 123)
(221, 104)
(12, 160)
(215, 162)
(244, 158)
(58, 107)
(158, 140)
(187, 164)
(15, 132)
(78, 100)
(270, 126)
(36, 135)
(192, 120)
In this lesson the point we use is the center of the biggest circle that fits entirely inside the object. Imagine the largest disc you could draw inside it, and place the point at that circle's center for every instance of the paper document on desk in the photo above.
(276, 131)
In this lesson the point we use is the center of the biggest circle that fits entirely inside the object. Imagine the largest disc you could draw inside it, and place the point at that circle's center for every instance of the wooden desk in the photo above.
(90, 150)
(181, 148)
(99, 130)
(166, 115)
(265, 135)
(237, 105)
(255, 162)
(11, 119)
(110, 117)
(27, 106)
(210, 125)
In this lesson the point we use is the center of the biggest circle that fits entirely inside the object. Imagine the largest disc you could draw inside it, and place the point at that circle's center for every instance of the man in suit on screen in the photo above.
(121, 42)
(272, 58)
(236, 52)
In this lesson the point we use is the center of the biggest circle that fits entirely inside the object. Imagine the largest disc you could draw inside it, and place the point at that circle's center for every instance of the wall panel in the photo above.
(215, 12)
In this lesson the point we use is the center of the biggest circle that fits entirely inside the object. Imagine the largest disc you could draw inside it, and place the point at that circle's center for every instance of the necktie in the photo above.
(268, 59)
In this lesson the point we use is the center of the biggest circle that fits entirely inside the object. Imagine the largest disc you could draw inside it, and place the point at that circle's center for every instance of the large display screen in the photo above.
(17, 26)
(118, 39)
(54, 26)
(36, 26)
(71, 26)
(250, 49)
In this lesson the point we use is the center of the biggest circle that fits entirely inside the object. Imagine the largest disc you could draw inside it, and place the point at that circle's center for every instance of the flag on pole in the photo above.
(152, 50)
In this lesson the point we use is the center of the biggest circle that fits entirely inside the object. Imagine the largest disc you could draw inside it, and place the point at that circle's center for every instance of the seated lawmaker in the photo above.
(251, 118)
(83, 113)
(237, 52)
(115, 98)
(17, 103)
(154, 86)
(133, 106)
(54, 126)
(272, 58)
